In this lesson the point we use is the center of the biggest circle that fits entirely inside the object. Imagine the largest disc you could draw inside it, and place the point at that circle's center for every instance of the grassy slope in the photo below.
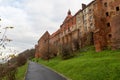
(88, 65)
(21, 72)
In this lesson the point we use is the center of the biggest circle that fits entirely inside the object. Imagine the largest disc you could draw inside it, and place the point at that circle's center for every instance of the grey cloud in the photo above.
(32, 18)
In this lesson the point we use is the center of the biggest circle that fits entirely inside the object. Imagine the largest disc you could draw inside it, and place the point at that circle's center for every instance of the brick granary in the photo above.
(107, 24)
(97, 23)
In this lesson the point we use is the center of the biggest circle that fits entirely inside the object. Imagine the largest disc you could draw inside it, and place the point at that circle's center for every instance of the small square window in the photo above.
(91, 24)
(68, 29)
(108, 24)
(117, 8)
(105, 4)
(107, 14)
(90, 10)
(110, 35)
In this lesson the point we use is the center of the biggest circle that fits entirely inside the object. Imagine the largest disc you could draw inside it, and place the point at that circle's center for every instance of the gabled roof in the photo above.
(44, 35)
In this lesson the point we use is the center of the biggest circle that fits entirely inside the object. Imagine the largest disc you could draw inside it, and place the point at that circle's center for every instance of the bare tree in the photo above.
(3, 42)
(4, 38)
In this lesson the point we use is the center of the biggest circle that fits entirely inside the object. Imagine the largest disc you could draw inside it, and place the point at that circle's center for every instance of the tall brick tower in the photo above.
(115, 24)
(107, 22)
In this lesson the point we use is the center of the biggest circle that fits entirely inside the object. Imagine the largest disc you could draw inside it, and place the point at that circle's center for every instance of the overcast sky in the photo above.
(31, 18)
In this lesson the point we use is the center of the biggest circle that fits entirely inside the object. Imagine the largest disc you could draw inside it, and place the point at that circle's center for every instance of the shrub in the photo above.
(8, 72)
(66, 52)
(2, 74)
(21, 60)
(11, 72)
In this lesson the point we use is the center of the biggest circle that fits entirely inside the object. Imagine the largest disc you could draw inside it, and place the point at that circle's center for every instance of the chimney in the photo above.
(83, 6)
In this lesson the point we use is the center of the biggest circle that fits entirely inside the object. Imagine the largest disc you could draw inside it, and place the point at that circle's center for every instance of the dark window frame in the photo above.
(105, 4)
(117, 8)
(110, 35)
(108, 24)
(107, 13)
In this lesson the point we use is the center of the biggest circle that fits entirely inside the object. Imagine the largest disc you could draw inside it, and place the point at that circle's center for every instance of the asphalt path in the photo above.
(38, 72)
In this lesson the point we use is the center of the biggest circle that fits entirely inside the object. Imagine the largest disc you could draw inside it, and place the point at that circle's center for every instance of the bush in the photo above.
(8, 71)
(2, 72)
(11, 72)
(29, 53)
(21, 60)
(66, 52)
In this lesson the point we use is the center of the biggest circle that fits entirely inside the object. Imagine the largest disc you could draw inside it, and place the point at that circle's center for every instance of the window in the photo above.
(90, 10)
(117, 8)
(110, 35)
(68, 29)
(91, 24)
(45, 41)
(91, 18)
(108, 24)
(105, 4)
(107, 14)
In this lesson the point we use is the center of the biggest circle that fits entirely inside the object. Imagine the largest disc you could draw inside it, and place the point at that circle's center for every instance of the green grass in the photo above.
(88, 65)
(21, 72)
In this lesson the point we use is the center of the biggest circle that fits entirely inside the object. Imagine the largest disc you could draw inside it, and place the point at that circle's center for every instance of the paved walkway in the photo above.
(39, 72)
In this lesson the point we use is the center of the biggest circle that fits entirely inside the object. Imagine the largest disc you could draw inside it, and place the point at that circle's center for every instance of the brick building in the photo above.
(97, 23)
(85, 24)
(107, 24)
(55, 38)
(43, 41)
(66, 28)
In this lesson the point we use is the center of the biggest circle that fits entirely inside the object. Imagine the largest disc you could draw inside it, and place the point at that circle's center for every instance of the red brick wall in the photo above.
(42, 41)
(116, 32)
(100, 40)
(106, 24)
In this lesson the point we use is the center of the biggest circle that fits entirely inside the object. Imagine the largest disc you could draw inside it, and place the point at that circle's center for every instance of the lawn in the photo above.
(88, 65)
(21, 72)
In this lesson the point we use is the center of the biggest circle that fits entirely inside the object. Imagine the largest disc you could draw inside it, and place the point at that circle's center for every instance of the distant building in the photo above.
(41, 42)
(97, 23)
